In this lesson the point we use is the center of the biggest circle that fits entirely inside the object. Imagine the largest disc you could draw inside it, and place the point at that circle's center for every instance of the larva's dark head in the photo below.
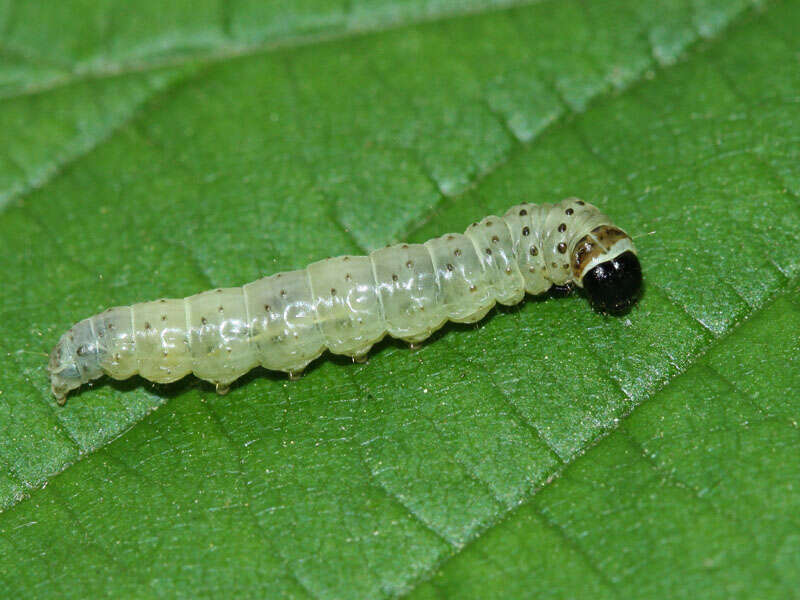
(614, 285)
(74, 361)
(604, 264)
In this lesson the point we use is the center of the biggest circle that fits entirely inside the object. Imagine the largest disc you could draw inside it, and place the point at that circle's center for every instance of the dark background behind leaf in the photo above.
(157, 150)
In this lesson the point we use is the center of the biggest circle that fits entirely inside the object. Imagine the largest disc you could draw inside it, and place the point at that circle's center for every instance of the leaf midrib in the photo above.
(223, 53)
(202, 62)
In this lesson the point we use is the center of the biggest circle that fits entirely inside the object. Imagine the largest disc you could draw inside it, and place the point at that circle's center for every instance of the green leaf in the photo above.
(548, 452)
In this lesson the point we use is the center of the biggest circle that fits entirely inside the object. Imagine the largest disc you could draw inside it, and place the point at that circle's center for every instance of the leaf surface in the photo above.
(550, 451)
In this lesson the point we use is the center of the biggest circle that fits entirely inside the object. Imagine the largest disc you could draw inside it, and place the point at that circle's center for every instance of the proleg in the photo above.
(347, 304)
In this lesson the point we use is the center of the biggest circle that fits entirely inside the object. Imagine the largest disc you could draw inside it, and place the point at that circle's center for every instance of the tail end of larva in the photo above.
(61, 400)
(75, 360)
(64, 373)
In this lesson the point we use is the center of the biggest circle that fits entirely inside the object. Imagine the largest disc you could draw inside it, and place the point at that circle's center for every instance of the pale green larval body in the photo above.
(344, 304)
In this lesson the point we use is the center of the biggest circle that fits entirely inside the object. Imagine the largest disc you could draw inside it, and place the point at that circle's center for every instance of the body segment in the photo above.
(407, 284)
(348, 303)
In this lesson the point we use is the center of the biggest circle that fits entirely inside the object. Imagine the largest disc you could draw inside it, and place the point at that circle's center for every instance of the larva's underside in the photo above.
(348, 303)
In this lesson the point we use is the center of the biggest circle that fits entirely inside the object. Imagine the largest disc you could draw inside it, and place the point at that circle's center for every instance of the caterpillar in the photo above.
(348, 303)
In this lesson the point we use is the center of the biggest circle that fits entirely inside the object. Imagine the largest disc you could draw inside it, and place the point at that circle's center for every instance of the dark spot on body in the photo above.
(495, 239)
(203, 320)
(562, 247)
(489, 251)
(526, 230)
(333, 291)
(449, 267)
(405, 246)
(347, 277)
(473, 288)
(266, 307)
(523, 212)
(569, 211)
(283, 292)
(220, 309)
(394, 277)
(409, 264)
(580, 203)
(457, 252)
(534, 251)
(450, 238)
(488, 223)
(82, 351)
(562, 228)
(219, 290)
(147, 324)
(163, 317)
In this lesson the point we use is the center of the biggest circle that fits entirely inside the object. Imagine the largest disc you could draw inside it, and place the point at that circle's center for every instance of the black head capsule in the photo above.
(614, 285)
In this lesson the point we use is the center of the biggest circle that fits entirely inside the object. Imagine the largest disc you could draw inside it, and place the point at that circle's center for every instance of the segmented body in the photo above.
(344, 304)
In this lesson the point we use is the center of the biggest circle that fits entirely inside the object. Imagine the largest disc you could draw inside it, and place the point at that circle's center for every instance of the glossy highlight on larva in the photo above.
(348, 303)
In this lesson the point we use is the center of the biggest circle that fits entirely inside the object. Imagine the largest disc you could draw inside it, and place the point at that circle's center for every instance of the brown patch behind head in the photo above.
(608, 235)
(595, 244)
